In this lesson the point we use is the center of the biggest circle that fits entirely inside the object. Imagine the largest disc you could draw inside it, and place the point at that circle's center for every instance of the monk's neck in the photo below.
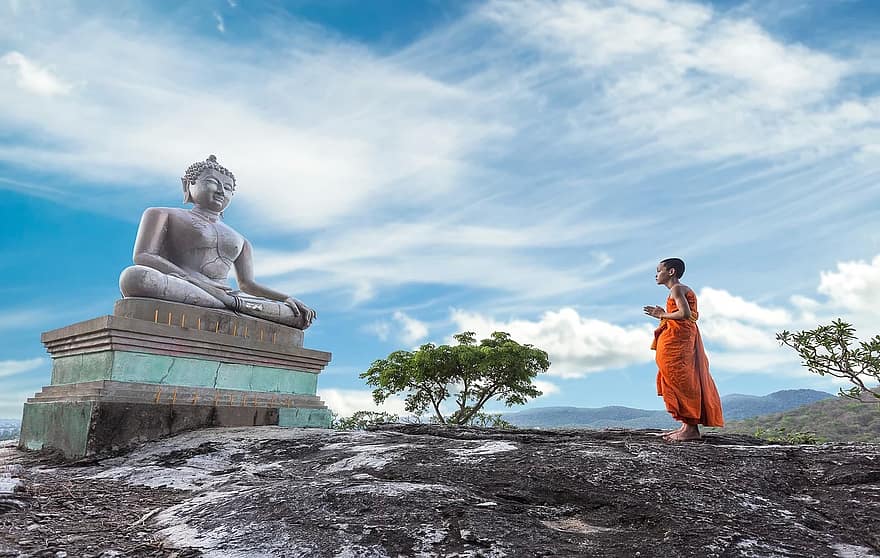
(212, 216)
(671, 283)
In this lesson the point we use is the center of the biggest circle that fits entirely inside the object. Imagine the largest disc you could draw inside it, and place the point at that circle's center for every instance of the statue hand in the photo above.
(229, 300)
(300, 309)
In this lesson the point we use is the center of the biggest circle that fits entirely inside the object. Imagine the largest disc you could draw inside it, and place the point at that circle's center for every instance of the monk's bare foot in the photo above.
(687, 433)
(671, 432)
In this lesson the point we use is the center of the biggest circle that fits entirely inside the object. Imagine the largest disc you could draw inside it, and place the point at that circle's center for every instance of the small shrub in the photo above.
(490, 420)
(782, 436)
(361, 420)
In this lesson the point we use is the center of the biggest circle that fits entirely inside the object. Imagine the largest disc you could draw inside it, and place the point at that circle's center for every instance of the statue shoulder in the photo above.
(152, 213)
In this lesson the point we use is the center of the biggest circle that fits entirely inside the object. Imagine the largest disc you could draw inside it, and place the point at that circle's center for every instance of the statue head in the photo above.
(195, 172)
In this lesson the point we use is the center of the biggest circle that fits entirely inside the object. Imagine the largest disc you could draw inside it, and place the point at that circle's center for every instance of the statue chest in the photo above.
(203, 243)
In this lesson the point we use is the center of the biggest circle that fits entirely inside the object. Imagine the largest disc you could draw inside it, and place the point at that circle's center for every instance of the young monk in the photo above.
(683, 379)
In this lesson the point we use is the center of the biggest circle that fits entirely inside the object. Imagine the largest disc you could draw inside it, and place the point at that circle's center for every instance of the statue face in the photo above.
(213, 190)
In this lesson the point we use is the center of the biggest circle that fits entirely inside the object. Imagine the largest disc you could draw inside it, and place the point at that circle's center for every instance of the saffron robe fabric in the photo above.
(683, 379)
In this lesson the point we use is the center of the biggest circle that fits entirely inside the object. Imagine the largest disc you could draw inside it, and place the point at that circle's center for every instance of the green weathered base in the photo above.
(126, 366)
(81, 428)
(63, 426)
(131, 377)
(314, 418)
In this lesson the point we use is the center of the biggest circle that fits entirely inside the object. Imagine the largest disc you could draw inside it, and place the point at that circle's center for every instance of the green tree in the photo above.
(835, 350)
(470, 372)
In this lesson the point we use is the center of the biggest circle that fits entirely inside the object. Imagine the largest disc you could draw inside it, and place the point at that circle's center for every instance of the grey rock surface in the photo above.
(421, 490)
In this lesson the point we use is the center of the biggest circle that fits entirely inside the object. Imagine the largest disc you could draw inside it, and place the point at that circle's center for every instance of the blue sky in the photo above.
(413, 169)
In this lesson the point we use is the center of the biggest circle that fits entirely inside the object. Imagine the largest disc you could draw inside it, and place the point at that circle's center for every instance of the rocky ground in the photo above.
(420, 490)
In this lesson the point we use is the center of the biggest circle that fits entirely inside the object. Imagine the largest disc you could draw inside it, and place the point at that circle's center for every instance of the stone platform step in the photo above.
(179, 330)
(132, 392)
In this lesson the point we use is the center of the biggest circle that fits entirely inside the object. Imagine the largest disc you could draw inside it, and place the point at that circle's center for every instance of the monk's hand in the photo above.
(654, 311)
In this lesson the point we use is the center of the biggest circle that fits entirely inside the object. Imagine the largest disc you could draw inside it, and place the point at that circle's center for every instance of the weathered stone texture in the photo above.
(431, 491)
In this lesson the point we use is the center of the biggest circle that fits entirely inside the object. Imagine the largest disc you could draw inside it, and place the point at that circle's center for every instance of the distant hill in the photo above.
(602, 417)
(736, 407)
(833, 420)
(9, 428)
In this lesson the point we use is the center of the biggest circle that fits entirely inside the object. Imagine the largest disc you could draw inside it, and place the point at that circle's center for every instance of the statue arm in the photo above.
(244, 272)
(150, 238)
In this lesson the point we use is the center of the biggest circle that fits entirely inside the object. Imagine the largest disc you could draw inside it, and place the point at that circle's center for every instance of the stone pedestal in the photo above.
(154, 368)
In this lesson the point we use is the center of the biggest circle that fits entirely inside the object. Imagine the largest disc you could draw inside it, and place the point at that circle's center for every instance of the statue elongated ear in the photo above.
(186, 196)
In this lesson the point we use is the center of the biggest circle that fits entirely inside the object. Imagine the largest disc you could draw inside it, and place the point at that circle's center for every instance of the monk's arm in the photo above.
(150, 238)
(684, 310)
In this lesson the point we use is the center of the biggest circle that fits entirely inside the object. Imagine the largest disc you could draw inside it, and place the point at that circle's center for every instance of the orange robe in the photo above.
(683, 379)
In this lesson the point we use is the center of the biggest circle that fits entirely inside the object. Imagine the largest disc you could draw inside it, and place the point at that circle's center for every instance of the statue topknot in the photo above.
(195, 169)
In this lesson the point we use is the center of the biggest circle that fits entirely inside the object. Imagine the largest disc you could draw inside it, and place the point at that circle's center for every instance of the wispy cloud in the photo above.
(412, 330)
(33, 78)
(13, 367)
(404, 328)
(24, 318)
(221, 26)
(520, 152)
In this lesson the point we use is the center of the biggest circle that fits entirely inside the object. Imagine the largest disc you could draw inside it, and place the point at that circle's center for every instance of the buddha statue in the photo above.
(185, 255)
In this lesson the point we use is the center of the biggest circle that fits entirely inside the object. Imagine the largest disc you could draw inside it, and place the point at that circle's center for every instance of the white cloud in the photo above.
(576, 345)
(853, 294)
(412, 330)
(380, 329)
(685, 78)
(719, 303)
(221, 26)
(315, 131)
(547, 388)
(361, 260)
(740, 336)
(21, 318)
(855, 285)
(779, 362)
(33, 78)
(345, 402)
(733, 334)
(406, 329)
(459, 159)
(13, 367)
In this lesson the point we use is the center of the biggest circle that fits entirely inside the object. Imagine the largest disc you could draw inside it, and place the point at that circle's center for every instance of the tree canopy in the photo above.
(835, 350)
(471, 373)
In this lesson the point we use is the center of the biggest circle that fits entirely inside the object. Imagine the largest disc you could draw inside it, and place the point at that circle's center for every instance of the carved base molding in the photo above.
(131, 377)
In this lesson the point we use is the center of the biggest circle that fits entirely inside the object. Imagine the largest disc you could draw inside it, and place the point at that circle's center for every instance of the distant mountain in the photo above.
(735, 406)
(837, 419)
(602, 417)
